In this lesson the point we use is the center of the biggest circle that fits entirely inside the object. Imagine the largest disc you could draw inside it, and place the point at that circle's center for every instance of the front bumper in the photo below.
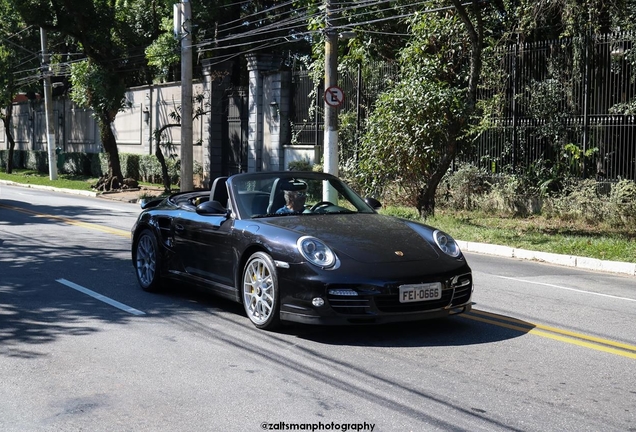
(376, 300)
(368, 319)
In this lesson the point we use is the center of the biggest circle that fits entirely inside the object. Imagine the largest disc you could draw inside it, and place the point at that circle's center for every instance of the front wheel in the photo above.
(260, 291)
(147, 262)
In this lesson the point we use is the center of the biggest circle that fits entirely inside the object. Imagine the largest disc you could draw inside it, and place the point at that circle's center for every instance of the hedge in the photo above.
(139, 167)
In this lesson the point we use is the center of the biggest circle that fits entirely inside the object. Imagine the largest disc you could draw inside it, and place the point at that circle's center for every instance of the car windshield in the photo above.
(294, 193)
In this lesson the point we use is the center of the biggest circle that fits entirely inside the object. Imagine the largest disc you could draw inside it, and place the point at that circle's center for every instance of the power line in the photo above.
(300, 21)
(258, 13)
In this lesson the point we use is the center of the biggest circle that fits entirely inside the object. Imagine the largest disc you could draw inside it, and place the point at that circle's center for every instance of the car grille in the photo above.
(463, 290)
(456, 292)
(348, 305)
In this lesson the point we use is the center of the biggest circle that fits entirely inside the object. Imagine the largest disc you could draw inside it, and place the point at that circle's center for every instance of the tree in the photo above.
(17, 51)
(424, 121)
(113, 36)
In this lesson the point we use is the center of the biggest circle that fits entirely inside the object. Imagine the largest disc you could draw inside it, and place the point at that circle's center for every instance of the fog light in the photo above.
(317, 301)
(343, 292)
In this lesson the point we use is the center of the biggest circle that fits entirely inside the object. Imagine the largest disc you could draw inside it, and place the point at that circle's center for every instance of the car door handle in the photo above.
(179, 228)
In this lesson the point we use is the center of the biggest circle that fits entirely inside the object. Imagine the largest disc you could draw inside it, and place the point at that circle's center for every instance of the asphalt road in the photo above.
(546, 348)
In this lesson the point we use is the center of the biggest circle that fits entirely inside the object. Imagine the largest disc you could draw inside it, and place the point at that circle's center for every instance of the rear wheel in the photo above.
(260, 291)
(147, 262)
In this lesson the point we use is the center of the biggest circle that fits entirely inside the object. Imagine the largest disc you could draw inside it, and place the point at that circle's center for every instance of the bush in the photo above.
(464, 189)
(139, 167)
(76, 164)
(512, 194)
(300, 165)
(579, 200)
(129, 165)
(622, 202)
(36, 160)
(18, 158)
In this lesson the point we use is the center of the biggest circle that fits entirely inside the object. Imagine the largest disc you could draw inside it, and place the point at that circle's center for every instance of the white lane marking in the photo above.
(566, 288)
(100, 297)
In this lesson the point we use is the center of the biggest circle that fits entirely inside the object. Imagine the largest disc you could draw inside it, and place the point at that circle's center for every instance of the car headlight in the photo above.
(446, 243)
(316, 252)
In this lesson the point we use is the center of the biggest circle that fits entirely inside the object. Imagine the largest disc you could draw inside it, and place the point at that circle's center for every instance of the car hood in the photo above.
(369, 238)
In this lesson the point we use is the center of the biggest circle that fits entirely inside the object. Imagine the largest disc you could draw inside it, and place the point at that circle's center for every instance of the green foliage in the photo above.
(513, 195)
(549, 175)
(144, 168)
(36, 160)
(150, 169)
(407, 133)
(96, 88)
(300, 165)
(579, 200)
(18, 158)
(400, 211)
(77, 163)
(163, 54)
(465, 188)
(623, 202)
(130, 165)
(423, 121)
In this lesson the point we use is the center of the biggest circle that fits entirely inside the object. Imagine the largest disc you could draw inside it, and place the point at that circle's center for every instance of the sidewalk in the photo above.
(133, 195)
(129, 196)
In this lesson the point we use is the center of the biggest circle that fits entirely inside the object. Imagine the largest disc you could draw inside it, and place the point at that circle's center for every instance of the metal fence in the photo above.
(568, 91)
(549, 94)
(361, 87)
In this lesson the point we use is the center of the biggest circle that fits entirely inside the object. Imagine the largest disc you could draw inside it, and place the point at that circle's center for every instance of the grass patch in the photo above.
(64, 181)
(536, 233)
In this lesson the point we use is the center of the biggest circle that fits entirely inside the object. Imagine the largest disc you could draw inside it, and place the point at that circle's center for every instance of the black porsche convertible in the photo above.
(302, 247)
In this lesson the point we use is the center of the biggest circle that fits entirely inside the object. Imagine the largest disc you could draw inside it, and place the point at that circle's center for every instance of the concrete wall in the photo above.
(149, 108)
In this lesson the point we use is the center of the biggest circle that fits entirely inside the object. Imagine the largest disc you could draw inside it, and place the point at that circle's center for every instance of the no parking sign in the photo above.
(334, 96)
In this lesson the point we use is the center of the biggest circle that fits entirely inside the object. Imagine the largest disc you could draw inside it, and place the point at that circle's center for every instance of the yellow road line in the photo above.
(566, 336)
(91, 226)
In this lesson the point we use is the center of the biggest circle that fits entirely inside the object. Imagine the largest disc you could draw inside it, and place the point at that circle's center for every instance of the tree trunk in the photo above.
(162, 160)
(114, 179)
(164, 168)
(426, 200)
(6, 120)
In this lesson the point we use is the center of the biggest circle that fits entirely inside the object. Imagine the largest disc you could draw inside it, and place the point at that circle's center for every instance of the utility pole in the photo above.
(182, 28)
(331, 112)
(48, 107)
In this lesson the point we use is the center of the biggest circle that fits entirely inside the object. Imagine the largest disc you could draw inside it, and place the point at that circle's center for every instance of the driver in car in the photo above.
(294, 202)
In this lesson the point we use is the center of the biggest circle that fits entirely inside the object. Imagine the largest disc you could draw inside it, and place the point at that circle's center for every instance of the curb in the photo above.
(551, 258)
(51, 188)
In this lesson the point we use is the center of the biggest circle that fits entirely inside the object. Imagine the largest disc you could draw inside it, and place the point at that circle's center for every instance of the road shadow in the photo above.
(473, 328)
(458, 330)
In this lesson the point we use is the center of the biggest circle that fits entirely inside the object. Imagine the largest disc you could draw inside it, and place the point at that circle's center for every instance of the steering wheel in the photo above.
(320, 204)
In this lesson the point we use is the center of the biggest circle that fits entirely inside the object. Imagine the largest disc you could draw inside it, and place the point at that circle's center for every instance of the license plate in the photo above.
(420, 292)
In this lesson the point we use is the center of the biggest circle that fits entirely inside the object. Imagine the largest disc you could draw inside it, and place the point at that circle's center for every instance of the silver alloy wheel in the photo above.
(259, 290)
(146, 260)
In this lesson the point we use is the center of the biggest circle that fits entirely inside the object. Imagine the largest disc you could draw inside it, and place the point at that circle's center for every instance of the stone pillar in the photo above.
(269, 102)
(276, 102)
(217, 79)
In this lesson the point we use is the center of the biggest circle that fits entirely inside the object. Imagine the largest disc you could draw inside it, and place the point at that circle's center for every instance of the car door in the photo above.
(204, 243)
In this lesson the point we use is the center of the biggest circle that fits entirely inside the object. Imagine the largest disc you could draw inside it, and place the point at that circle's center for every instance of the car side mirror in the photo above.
(212, 208)
(373, 203)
